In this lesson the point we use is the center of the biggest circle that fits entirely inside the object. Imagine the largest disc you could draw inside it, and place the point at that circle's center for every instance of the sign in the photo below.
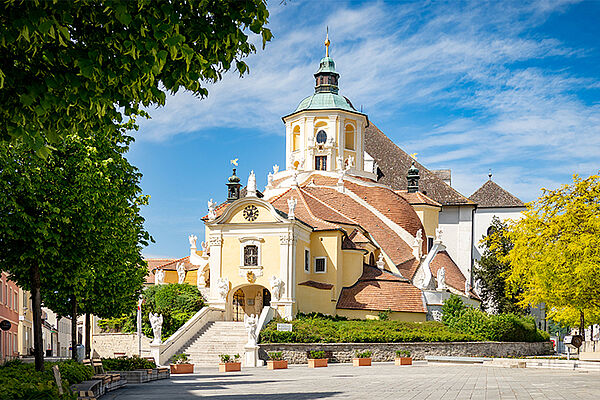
(5, 325)
(284, 327)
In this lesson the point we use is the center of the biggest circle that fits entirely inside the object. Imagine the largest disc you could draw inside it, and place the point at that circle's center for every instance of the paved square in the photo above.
(381, 381)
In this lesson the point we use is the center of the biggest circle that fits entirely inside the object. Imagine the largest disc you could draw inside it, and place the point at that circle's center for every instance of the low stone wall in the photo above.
(107, 344)
(296, 353)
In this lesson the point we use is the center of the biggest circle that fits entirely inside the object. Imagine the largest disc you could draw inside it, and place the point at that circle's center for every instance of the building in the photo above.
(25, 346)
(9, 311)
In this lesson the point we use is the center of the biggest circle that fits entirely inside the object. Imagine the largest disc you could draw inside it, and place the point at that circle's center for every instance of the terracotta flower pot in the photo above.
(230, 367)
(182, 368)
(317, 362)
(277, 364)
(361, 362)
(403, 361)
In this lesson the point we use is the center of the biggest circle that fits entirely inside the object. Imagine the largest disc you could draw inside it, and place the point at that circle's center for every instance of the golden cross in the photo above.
(327, 43)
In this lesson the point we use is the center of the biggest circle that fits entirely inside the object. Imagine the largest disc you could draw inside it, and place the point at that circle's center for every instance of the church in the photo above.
(351, 226)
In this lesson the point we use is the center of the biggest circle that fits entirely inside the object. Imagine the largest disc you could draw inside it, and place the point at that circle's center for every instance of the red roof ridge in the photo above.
(329, 207)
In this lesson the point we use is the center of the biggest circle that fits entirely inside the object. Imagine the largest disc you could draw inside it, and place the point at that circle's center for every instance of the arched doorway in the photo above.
(247, 300)
(238, 305)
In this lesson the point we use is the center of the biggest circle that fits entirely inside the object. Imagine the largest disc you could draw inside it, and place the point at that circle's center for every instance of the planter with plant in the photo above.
(276, 360)
(362, 359)
(403, 357)
(180, 364)
(230, 363)
(316, 359)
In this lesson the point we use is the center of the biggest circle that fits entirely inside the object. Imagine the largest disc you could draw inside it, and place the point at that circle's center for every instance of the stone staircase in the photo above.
(218, 337)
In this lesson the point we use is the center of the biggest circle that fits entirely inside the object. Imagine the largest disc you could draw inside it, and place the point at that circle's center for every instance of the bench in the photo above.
(91, 389)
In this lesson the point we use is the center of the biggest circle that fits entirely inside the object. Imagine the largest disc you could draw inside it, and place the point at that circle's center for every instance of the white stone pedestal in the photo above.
(251, 357)
(155, 352)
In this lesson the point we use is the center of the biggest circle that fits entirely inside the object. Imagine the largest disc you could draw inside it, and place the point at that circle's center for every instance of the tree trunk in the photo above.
(73, 328)
(36, 300)
(88, 341)
(582, 324)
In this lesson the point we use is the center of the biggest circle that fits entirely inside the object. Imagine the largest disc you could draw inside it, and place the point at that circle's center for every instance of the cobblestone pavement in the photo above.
(381, 381)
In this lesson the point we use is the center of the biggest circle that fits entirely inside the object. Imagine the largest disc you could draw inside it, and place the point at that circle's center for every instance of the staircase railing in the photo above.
(164, 351)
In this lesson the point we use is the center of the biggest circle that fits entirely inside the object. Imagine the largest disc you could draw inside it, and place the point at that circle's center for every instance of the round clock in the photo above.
(250, 213)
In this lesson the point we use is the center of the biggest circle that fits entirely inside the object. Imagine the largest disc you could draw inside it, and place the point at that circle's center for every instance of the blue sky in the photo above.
(470, 86)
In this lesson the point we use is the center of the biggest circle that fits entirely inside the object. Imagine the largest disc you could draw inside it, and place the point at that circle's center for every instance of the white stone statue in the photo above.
(212, 214)
(275, 169)
(441, 279)
(350, 162)
(292, 207)
(180, 272)
(380, 263)
(467, 287)
(193, 239)
(156, 321)
(223, 288)
(250, 322)
(375, 167)
(438, 234)
(477, 287)
(203, 246)
(251, 188)
(436, 315)
(418, 244)
(339, 163)
(341, 177)
(159, 279)
(270, 179)
(295, 178)
(277, 287)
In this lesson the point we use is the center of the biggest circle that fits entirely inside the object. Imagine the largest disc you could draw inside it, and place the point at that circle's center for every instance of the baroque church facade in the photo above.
(352, 226)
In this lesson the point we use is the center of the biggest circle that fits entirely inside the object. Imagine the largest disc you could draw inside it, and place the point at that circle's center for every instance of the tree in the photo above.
(70, 229)
(91, 66)
(492, 269)
(556, 254)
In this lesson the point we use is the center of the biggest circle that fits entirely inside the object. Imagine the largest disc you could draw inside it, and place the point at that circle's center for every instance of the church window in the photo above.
(349, 137)
(429, 243)
(320, 265)
(250, 255)
(321, 137)
(306, 260)
(296, 138)
(321, 163)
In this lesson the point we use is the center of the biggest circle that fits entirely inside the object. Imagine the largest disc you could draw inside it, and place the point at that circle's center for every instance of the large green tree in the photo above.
(89, 65)
(556, 254)
(492, 269)
(70, 228)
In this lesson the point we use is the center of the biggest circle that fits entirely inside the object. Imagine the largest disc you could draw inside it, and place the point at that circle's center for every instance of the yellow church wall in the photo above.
(429, 217)
(371, 314)
(352, 267)
(172, 277)
(310, 299)
(325, 244)
(264, 215)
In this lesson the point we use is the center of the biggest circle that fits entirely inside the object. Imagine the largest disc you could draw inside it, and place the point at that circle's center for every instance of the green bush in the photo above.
(226, 358)
(19, 380)
(316, 354)
(275, 355)
(364, 354)
(402, 353)
(180, 358)
(127, 363)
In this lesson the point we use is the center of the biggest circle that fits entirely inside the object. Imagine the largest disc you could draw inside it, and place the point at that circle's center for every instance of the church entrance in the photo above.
(247, 300)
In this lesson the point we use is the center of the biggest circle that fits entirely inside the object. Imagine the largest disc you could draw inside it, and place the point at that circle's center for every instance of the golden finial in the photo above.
(327, 43)
(414, 156)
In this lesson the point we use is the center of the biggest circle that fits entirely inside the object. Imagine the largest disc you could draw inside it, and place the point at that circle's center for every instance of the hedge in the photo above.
(126, 364)
(19, 380)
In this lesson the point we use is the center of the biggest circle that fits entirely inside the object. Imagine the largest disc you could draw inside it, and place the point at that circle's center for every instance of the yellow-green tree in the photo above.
(556, 254)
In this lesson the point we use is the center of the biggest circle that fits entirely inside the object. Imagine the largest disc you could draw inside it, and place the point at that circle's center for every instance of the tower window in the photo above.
(349, 138)
(251, 255)
(296, 138)
(321, 137)
(321, 163)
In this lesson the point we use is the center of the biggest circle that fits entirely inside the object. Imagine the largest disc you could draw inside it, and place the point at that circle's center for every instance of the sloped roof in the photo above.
(172, 265)
(454, 278)
(152, 264)
(379, 290)
(490, 194)
(418, 198)
(394, 163)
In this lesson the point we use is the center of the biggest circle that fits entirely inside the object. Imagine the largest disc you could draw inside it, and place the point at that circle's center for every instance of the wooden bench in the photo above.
(92, 389)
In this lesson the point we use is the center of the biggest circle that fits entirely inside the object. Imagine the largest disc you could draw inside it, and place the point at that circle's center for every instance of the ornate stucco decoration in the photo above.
(222, 288)
(215, 241)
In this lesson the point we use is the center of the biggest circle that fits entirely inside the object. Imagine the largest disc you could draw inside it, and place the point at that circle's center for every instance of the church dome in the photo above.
(325, 101)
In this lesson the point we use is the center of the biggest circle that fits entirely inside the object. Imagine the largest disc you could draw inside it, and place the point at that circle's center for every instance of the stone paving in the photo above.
(381, 381)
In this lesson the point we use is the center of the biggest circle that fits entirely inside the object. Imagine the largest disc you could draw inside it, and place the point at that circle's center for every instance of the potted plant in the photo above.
(362, 359)
(316, 359)
(180, 364)
(403, 357)
(230, 363)
(276, 360)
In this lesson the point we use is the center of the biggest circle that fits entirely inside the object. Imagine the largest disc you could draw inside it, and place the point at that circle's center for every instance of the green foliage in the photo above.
(483, 326)
(316, 354)
(492, 270)
(328, 330)
(364, 354)
(84, 66)
(21, 381)
(402, 353)
(127, 363)
(180, 358)
(275, 355)
(226, 358)
(384, 315)
(556, 255)
(320, 316)
(115, 324)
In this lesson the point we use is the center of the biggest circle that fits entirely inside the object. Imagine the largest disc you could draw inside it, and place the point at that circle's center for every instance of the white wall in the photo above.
(483, 219)
(456, 223)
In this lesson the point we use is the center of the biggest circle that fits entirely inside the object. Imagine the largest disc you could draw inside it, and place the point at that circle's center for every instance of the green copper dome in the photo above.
(327, 65)
(324, 101)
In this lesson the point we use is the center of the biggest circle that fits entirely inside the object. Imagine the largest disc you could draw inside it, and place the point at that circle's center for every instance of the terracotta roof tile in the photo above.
(394, 163)
(417, 198)
(379, 291)
(172, 265)
(490, 194)
(317, 285)
(152, 264)
(454, 278)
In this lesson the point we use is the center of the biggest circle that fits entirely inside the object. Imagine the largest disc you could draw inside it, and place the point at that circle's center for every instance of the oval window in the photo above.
(321, 137)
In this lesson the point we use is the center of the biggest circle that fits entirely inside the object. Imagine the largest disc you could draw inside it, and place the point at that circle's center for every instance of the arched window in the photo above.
(321, 137)
(349, 137)
(296, 138)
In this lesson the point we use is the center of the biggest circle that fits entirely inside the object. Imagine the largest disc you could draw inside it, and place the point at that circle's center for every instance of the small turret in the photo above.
(233, 187)
(413, 178)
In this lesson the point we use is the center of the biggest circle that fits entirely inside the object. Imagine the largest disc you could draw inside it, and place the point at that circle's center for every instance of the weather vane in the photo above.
(414, 156)
(234, 161)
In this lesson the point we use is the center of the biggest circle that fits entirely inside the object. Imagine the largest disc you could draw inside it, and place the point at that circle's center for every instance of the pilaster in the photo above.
(215, 242)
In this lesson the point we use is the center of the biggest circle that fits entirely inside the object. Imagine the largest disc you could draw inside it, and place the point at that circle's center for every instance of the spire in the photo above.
(413, 178)
(327, 43)
(326, 77)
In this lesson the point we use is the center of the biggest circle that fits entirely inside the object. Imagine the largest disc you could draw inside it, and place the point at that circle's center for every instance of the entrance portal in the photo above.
(247, 300)
(238, 305)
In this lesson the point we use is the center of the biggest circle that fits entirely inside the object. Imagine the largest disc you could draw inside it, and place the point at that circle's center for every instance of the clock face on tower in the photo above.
(250, 213)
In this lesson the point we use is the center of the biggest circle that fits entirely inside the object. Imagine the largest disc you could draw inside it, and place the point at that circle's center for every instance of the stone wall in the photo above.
(107, 344)
(295, 353)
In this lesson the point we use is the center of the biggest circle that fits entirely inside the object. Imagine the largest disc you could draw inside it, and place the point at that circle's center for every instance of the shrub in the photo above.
(314, 354)
(384, 315)
(402, 353)
(180, 358)
(276, 355)
(127, 363)
(364, 354)
(226, 358)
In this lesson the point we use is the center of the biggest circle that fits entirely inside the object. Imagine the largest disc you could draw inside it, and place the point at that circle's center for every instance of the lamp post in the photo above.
(139, 325)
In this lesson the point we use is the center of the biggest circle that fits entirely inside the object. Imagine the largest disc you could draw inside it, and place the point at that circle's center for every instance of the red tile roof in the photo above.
(454, 278)
(417, 198)
(491, 195)
(152, 264)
